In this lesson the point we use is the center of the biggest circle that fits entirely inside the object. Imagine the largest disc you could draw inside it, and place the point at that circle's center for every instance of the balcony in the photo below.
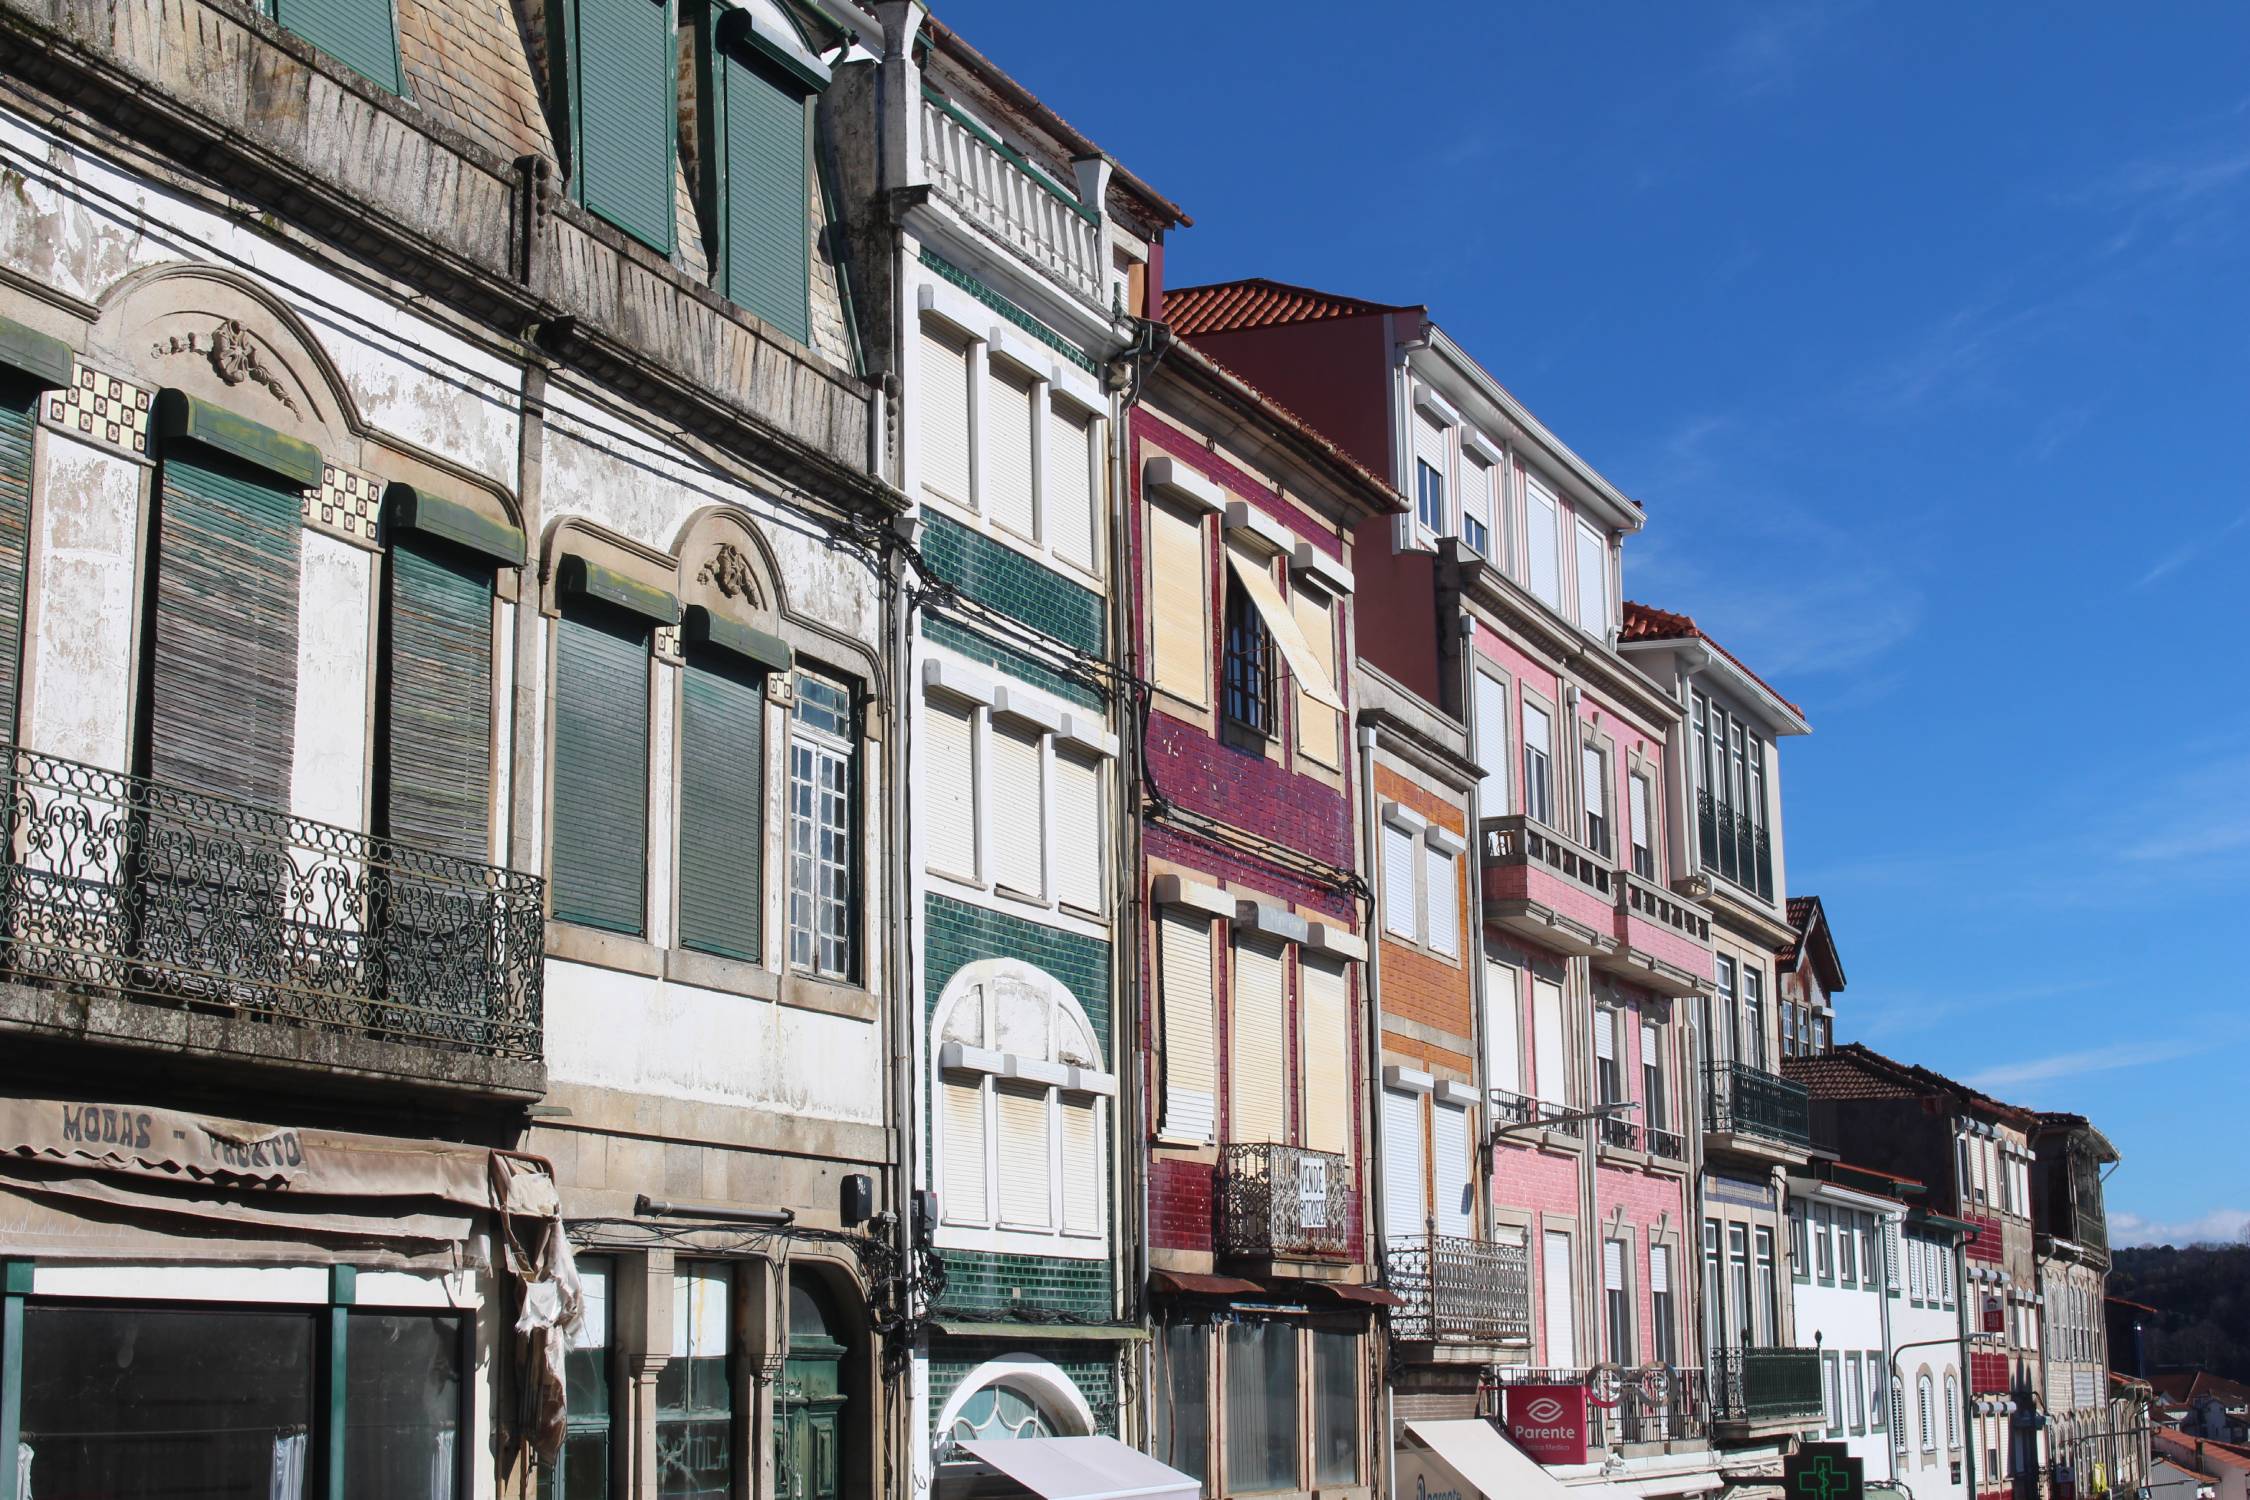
(1459, 1291)
(1285, 1203)
(995, 188)
(1751, 1107)
(1735, 847)
(1752, 1387)
(1665, 1145)
(1663, 939)
(1509, 1112)
(1654, 1404)
(1548, 889)
(241, 931)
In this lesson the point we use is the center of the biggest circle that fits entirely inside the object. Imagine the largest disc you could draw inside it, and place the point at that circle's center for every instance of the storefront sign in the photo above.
(1995, 1314)
(1548, 1422)
(1823, 1471)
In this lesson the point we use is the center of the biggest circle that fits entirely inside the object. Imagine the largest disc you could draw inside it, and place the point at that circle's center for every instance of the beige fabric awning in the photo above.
(1311, 677)
(1474, 1457)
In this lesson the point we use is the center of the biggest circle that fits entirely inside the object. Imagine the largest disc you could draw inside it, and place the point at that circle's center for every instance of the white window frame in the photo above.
(1585, 534)
(830, 947)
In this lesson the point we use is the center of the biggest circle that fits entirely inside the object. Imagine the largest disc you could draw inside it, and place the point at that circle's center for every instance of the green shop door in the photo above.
(809, 1417)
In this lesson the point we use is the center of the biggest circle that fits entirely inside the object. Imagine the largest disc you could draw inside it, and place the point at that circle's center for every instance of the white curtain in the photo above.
(441, 1466)
(23, 1471)
(288, 1481)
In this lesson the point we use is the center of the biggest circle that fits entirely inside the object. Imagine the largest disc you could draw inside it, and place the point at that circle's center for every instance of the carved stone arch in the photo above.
(978, 976)
(218, 335)
(727, 566)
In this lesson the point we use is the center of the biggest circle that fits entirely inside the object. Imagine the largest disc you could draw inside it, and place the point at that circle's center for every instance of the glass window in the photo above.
(1183, 1397)
(1754, 1016)
(1857, 1392)
(1769, 1290)
(1476, 503)
(1248, 682)
(695, 1390)
(1714, 1319)
(582, 1473)
(1336, 1420)
(1593, 774)
(1823, 1264)
(1429, 496)
(1644, 847)
(1798, 1265)
(402, 1404)
(1663, 1338)
(1617, 1305)
(1000, 1410)
(1738, 1255)
(1847, 1263)
(1593, 580)
(1261, 1376)
(1538, 763)
(1654, 1109)
(823, 873)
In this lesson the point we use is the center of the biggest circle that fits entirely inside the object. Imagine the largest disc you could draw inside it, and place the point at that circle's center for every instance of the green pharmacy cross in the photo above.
(1823, 1471)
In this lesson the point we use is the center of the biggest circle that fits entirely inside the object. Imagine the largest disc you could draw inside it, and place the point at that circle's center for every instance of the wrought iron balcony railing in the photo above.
(1623, 1134)
(1764, 1385)
(1669, 1144)
(1286, 1202)
(1459, 1291)
(119, 883)
(1735, 845)
(1742, 1100)
(1520, 1109)
(1648, 1404)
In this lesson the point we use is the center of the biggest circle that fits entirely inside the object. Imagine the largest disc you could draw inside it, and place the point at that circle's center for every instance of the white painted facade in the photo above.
(1926, 1339)
(1843, 1309)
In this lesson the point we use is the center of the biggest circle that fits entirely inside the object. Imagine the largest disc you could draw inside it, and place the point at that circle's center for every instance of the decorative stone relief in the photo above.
(233, 355)
(728, 571)
(667, 645)
(102, 409)
(346, 505)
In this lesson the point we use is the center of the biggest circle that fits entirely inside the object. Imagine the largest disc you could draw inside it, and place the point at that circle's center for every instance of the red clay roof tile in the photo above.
(1645, 622)
(1256, 302)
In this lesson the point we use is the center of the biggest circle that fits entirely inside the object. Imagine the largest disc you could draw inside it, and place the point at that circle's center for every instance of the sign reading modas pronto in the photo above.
(1822, 1471)
(1548, 1422)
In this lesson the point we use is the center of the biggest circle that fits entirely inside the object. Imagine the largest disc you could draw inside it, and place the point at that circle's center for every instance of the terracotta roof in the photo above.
(1645, 622)
(2233, 1455)
(1810, 918)
(1857, 1071)
(1255, 302)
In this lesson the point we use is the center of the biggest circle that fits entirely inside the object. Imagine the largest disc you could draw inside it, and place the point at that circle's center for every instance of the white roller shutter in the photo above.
(1071, 486)
(961, 1109)
(1402, 1165)
(944, 425)
(1660, 1270)
(1593, 581)
(1017, 785)
(1543, 544)
(1548, 1060)
(1259, 1102)
(949, 803)
(1083, 1176)
(1450, 1168)
(1180, 603)
(1080, 856)
(1590, 779)
(1399, 911)
(1443, 896)
(1431, 447)
(1189, 1083)
(1025, 1160)
(1636, 793)
(1503, 1028)
(1605, 1036)
(1554, 1281)
(1320, 729)
(1328, 1042)
(1009, 410)
(1476, 499)
(1492, 746)
(1613, 1265)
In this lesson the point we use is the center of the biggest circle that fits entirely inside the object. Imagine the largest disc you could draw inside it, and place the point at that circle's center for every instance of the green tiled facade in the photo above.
(1095, 1374)
(978, 1282)
(1003, 579)
(978, 647)
(956, 933)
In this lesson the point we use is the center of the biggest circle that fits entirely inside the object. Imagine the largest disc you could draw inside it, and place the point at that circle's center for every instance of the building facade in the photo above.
(2097, 1431)
(1928, 1389)
(1844, 1263)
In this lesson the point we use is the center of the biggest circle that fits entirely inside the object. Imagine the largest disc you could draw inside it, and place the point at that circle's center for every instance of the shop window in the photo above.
(1183, 1397)
(695, 1390)
(1261, 1412)
(582, 1471)
(1336, 1420)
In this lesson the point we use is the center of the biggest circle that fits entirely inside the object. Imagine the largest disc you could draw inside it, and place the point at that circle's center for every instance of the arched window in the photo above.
(1020, 1109)
(1898, 1414)
(1017, 1396)
(1001, 1411)
(1952, 1410)
(1928, 1427)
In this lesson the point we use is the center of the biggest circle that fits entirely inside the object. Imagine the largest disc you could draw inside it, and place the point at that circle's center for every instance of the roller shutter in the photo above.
(1450, 1168)
(961, 1109)
(1084, 1179)
(1442, 898)
(1026, 1165)
(600, 854)
(1259, 1104)
(1492, 746)
(1319, 727)
(949, 797)
(1009, 410)
(1180, 604)
(1080, 852)
(1543, 544)
(1554, 1281)
(1184, 938)
(1402, 1165)
(1400, 913)
(944, 424)
(1073, 524)
(1019, 859)
(722, 808)
(1503, 1028)
(1547, 1057)
(623, 77)
(357, 33)
(768, 255)
(1328, 1046)
(437, 720)
(16, 423)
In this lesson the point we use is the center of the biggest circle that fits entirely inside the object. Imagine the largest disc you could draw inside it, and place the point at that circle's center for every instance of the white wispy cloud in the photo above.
(2218, 1226)
(2197, 813)
(2191, 551)
(2060, 1065)
(1767, 51)
(1904, 1012)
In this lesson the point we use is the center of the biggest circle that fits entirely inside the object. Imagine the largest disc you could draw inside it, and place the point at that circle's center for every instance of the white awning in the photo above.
(1281, 624)
(1082, 1468)
(1478, 1455)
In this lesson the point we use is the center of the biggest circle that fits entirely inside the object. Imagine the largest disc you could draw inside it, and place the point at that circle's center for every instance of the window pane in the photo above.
(1335, 1408)
(165, 1405)
(583, 1471)
(1261, 1376)
(402, 1400)
(694, 1392)
(1183, 1398)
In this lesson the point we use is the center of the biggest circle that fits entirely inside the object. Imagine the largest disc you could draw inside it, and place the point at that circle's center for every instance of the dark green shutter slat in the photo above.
(768, 232)
(438, 719)
(222, 706)
(601, 770)
(722, 810)
(15, 532)
(357, 33)
(624, 78)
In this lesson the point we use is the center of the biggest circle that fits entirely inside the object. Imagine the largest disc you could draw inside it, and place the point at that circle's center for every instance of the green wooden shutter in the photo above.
(768, 249)
(15, 534)
(600, 856)
(357, 33)
(722, 809)
(437, 700)
(624, 77)
(222, 693)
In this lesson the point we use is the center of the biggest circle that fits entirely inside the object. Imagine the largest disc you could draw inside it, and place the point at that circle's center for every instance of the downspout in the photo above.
(1477, 997)
(1132, 1131)
(1893, 1410)
(1371, 840)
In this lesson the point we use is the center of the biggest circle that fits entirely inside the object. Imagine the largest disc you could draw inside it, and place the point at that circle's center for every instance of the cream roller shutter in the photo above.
(1179, 604)
(1605, 1035)
(1431, 447)
(1543, 543)
(1449, 1168)
(1660, 1270)
(1025, 1165)
(1319, 728)
(1080, 857)
(1503, 1028)
(1547, 1058)
(961, 1108)
(944, 425)
(1017, 785)
(949, 796)
(1328, 1041)
(1399, 910)
(1593, 580)
(1554, 1279)
(1258, 1100)
(1281, 624)
(1083, 1176)
(1492, 746)
(1443, 900)
(1072, 521)
(1184, 940)
(1402, 1165)
(1009, 410)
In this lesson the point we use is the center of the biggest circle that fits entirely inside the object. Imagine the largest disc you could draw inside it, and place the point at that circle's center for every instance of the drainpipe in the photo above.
(1371, 836)
(1128, 937)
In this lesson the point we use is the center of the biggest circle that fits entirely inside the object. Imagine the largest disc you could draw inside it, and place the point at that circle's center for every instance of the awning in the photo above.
(1281, 624)
(1190, 1284)
(1078, 1468)
(1347, 1291)
(1473, 1456)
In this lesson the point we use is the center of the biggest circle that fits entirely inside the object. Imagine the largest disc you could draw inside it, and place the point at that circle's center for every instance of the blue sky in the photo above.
(1923, 332)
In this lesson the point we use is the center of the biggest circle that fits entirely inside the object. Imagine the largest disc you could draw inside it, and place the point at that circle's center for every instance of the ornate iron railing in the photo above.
(1654, 1405)
(1510, 1109)
(1623, 1134)
(1459, 1291)
(119, 883)
(1669, 1144)
(1285, 1201)
(1764, 1385)
(1735, 845)
(1742, 1100)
